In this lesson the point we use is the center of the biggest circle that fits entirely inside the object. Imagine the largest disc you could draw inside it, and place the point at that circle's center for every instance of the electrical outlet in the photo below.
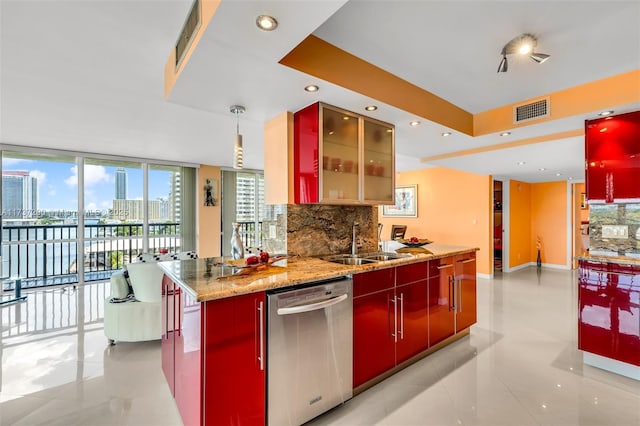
(615, 231)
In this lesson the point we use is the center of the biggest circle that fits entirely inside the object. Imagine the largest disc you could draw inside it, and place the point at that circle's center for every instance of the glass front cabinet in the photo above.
(342, 157)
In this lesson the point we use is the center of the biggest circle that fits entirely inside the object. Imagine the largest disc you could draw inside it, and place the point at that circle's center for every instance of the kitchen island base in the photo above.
(363, 387)
(612, 365)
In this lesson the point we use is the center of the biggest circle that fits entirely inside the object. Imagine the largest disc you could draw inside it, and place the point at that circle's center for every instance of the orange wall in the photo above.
(549, 221)
(208, 217)
(454, 207)
(520, 223)
(537, 210)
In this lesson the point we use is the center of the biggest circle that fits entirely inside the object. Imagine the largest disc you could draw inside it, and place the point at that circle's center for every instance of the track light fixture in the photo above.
(523, 44)
(237, 149)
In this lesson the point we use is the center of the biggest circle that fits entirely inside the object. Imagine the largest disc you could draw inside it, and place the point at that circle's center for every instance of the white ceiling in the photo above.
(88, 76)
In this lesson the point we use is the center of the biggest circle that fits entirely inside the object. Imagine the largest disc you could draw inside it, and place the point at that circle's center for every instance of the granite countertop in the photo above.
(622, 260)
(205, 278)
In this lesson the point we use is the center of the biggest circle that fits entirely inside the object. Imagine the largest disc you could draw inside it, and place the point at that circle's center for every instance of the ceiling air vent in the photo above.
(531, 111)
(189, 29)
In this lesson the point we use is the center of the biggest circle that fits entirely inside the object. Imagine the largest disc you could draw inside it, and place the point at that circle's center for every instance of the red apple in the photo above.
(252, 260)
(414, 239)
(264, 257)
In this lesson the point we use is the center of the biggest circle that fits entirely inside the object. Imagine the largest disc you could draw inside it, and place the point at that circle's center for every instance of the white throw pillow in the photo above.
(119, 285)
(146, 280)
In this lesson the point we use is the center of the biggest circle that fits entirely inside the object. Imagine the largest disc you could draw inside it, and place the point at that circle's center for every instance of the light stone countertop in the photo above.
(206, 279)
(621, 260)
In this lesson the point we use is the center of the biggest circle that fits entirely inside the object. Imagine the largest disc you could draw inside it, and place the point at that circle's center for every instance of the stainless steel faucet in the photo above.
(353, 238)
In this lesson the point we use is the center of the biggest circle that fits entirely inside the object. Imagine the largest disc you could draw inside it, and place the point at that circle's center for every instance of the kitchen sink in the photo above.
(364, 258)
(348, 260)
(382, 256)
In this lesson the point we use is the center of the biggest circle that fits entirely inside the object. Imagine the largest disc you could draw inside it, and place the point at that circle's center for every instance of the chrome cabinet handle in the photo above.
(450, 292)
(460, 294)
(473, 259)
(401, 316)
(261, 334)
(395, 319)
(446, 265)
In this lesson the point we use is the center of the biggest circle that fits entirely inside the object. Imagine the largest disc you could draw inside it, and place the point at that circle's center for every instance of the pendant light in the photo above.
(237, 149)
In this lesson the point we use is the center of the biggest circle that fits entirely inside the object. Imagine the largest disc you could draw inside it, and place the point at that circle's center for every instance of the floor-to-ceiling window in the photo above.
(242, 203)
(127, 207)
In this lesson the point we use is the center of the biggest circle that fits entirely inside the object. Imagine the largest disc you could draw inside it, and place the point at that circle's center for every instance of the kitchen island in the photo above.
(214, 343)
(609, 313)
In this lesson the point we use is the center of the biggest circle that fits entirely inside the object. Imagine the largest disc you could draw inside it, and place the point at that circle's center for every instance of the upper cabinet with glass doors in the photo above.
(341, 157)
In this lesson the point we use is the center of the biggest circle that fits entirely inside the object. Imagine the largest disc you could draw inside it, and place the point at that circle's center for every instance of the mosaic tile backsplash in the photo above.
(614, 242)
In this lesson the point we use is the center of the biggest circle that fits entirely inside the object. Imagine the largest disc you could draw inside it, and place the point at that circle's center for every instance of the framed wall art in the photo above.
(406, 202)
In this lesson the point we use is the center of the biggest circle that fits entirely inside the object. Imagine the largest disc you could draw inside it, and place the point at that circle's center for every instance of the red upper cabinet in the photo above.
(340, 157)
(612, 150)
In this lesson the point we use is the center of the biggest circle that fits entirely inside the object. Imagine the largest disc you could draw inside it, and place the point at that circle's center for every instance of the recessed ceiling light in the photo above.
(603, 113)
(371, 108)
(414, 123)
(521, 163)
(505, 133)
(542, 169)
(445, 134)
(266, 22)
(570, 178)
(558, 174)
(311, 88)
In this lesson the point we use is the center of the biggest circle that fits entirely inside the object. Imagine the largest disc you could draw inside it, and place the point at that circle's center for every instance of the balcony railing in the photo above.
(248, 234)
(47, 254)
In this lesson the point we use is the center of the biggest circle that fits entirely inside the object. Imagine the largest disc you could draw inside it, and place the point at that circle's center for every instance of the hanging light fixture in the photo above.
(237, 149)
(524, 44)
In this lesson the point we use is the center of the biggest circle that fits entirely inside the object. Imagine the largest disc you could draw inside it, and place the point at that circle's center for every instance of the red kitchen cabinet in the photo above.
(167, 343)
(440, 299)
(412, 324)
(234, 360)
(390, 322)
(465, 290)
(188, 354)
(373, 324)
(218, 357)
(609, 310)
(612, 156)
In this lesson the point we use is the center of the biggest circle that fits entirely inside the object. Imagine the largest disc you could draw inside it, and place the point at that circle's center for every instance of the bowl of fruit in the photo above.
(414, 241)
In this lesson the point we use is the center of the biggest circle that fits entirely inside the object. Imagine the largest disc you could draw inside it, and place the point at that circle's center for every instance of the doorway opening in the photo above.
(497, 226)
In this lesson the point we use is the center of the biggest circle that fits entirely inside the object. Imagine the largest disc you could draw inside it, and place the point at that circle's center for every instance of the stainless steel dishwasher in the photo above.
(309, 350)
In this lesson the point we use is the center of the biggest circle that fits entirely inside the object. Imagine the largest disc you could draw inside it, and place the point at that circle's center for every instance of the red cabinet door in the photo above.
(465, 280)
(373, 335)
(412, 324)
(188, 358)
(305, 153)
(440, 299)
(168, 327)
(613, 157)
(234, 375)
(625, 313)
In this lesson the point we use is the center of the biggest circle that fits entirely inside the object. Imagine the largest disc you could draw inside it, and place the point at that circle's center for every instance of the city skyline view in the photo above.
(57, 183)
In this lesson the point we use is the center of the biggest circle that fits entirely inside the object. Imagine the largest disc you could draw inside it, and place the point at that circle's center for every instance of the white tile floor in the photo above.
(520, 366)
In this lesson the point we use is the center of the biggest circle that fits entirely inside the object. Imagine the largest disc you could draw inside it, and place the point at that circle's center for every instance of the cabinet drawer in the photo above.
(374, 281)
(411, 273)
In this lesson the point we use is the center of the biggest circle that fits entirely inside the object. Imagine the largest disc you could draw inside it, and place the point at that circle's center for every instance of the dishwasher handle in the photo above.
(312, 306)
